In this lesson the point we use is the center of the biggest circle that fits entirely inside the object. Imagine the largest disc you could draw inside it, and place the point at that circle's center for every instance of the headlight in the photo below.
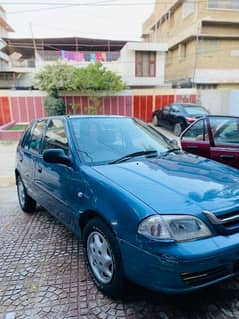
(176, 227)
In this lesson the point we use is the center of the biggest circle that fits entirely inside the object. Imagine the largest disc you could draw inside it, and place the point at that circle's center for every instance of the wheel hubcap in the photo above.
(100, 257)
(21, 193)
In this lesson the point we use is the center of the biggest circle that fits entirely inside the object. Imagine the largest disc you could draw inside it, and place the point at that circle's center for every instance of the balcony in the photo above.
(76, 58)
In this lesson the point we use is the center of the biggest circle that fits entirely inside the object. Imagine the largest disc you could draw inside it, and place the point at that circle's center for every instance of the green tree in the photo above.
(56, 77)
(93, 81)
(54, 105)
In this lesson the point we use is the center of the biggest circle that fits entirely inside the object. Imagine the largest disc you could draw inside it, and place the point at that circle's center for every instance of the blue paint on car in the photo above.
(147, 212)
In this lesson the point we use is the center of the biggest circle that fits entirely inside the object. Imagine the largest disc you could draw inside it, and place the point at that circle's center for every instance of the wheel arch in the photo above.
(87, 215)
(17, 174)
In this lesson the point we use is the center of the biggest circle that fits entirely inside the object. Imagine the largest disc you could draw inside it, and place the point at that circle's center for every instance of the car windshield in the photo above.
(102, 140)
(195, 110)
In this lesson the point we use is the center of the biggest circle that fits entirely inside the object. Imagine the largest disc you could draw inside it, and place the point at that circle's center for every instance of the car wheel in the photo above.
(155, 120)
(27, 203)
(177, 129)
(103, 258)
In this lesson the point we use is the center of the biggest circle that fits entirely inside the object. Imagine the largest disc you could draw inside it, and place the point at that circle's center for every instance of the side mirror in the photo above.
(56, 156)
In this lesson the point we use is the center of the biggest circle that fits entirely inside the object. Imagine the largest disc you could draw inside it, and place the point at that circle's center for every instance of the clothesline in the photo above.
(88, 56)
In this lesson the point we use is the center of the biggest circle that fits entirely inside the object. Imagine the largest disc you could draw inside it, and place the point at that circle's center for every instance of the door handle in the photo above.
(192, 147)
(39, 169)
(227, 157)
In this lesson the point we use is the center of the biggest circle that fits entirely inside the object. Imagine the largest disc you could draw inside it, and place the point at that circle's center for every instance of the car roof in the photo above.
(190, 104)
(80, 116)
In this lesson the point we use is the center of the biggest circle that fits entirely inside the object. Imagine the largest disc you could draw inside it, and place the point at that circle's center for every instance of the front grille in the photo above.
(229, 219)
(200, 278)
(227, 222)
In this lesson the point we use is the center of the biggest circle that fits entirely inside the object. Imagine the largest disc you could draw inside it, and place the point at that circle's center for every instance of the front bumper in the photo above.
(182, 267)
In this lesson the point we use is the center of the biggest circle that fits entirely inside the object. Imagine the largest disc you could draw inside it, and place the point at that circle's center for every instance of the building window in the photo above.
(182, 51)
(208, 48)
(188, 8)
(145, 64)
(223, 4)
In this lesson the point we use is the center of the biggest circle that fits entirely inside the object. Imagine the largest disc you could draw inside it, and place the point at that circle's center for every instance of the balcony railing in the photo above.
(79, 56)
(26, 63)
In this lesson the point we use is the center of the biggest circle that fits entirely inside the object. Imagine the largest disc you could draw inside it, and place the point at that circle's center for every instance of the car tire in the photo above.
(103, 258)
(155, 120)
(27, 204)
(177, 130)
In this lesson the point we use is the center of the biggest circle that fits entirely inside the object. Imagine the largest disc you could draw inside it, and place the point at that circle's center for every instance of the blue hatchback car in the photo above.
(146, 211)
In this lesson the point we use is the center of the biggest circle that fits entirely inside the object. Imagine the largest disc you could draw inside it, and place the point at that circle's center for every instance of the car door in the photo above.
(58, 184)
(196, 139)
(164, 116)
(225, 145)
(28, 153)
(173, 117)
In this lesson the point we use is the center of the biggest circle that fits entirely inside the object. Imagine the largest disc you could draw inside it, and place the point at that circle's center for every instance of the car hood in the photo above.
(177, 183)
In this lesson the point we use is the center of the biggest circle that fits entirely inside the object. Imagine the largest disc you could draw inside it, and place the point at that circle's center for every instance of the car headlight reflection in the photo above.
(174, 227)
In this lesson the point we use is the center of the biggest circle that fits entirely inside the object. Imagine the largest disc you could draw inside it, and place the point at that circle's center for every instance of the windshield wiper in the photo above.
(132, 155)
(171, 150)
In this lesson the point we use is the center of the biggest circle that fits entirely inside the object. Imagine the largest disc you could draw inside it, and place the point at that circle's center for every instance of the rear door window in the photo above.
(197, 132)
(26, 136)
(34, 141)
(175, 109)
(225, 130)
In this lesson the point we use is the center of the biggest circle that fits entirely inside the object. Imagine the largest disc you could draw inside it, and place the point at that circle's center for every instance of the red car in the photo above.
(214, 137)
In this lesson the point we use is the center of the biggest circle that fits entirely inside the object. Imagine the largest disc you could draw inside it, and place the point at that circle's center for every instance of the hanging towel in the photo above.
(62, 54)
(104, 58)
(87, 57)
(99, 56)
(78, 56)
(93, 57)
(110, 56)
(69, 55)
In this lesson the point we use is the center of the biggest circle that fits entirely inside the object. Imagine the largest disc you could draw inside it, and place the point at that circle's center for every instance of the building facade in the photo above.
(5, 28)
(143, 64)
(203, 41)
(139, 64)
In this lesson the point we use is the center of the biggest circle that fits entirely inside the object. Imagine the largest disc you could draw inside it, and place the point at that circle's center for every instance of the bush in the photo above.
(54, 105)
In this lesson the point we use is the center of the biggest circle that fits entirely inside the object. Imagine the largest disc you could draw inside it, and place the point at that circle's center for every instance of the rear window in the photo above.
(195, 110)
(25, 136)
(36, 136)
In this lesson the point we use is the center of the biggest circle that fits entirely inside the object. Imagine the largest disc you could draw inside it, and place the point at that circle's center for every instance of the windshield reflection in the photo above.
(102, 140)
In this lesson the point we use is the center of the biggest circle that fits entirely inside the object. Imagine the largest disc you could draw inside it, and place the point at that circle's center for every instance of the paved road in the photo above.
(43, 274)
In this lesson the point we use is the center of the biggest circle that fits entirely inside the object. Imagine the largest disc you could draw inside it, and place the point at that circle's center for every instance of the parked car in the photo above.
(177, 117)
(215, 137)
(146, 211)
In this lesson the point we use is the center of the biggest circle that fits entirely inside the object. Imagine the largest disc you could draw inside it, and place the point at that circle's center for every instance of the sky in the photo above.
(102, 19)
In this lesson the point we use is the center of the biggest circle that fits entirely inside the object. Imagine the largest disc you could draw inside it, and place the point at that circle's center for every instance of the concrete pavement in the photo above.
(7, 162)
